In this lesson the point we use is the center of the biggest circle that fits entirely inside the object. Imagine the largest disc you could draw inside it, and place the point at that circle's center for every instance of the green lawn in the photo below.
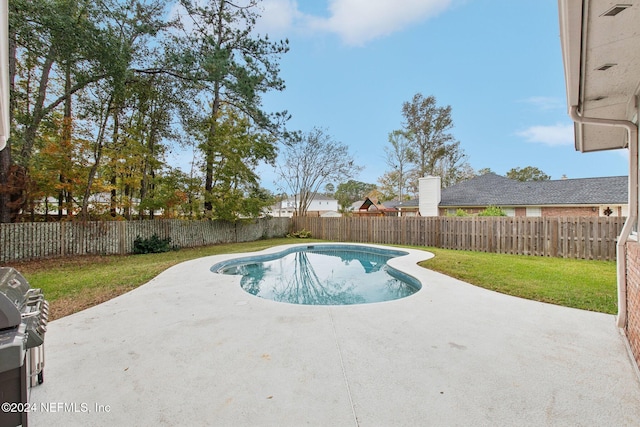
(72, 284)
(588, 285)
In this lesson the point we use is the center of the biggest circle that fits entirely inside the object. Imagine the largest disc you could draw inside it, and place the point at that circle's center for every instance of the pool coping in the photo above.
(397, 264)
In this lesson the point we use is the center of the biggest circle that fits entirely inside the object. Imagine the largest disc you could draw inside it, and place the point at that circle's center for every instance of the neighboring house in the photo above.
(355, 206)
(605, 196)
(600, 41)
(405, 208)
(320, 206)
(373, 207)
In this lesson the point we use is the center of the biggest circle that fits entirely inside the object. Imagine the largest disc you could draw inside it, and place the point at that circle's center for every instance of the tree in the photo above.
(388, 186)
(230, 66)
(48, 41)
(94, 101)
(175, 193)
(329, 189)
(71, 59)
(438, 153)
(352, 191)
(528, 173)
(399, 157)
(237, 151)
(453, 166)
(130, 22)
(312, 161)
(484, 171)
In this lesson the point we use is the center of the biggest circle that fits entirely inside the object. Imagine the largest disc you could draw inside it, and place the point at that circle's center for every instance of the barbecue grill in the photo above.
(23, 323)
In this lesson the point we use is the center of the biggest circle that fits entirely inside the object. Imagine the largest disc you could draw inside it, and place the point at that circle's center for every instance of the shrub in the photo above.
(152, 245)
(492, 211)
(302, 234)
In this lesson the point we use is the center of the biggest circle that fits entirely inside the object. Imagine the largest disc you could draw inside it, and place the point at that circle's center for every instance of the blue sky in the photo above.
(497, 63)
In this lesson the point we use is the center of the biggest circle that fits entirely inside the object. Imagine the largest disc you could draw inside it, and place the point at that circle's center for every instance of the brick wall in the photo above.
(567, 211)
(633, 298)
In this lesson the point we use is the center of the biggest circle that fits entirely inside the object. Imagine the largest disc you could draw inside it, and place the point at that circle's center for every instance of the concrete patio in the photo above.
(191, 348)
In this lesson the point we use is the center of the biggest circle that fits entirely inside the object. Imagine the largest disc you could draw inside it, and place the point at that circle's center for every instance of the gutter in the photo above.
(632, 129)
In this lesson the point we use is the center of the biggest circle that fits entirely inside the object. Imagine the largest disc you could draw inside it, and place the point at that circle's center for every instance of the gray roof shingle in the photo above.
(492, 189)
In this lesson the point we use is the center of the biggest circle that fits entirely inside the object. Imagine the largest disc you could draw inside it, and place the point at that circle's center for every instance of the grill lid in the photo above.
(14, 286)
(9, 315)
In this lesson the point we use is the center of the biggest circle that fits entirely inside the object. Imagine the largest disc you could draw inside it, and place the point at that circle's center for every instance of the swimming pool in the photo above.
(326, 274)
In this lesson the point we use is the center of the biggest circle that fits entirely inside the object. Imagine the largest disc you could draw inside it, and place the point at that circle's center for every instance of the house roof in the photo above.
(374, 203)
(405, 204)
(494, 190)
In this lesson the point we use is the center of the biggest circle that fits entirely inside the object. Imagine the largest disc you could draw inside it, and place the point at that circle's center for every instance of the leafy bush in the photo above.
(460, 212)
(302, 234)
(492, 211)
(152, 245)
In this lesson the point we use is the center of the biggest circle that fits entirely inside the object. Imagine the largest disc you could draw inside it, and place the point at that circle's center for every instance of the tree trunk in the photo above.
(38, 110)
(113, 206)
(128, 197)
(97, 155)
(209, 155)
(66, 195)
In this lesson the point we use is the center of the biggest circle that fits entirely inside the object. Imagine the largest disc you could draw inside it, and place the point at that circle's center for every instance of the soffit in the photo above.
(609, 42)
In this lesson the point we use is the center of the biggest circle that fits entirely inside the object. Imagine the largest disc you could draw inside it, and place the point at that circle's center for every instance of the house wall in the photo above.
(587, 211)
(570, 211)
(323, 205)
(633, 298)
(316, 207)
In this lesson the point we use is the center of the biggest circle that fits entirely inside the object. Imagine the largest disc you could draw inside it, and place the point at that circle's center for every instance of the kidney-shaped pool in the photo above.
(323, 275)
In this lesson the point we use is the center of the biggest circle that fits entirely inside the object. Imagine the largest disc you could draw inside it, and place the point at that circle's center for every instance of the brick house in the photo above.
(606, 196)
(601, 59)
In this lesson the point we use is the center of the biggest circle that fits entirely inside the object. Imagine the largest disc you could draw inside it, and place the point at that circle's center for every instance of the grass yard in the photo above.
(588, 285)
(73, 284)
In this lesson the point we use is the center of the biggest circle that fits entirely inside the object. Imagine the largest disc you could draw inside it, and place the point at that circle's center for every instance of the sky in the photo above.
(497, 63)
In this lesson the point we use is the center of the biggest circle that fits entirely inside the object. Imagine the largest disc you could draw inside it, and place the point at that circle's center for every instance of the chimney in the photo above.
(429, 195)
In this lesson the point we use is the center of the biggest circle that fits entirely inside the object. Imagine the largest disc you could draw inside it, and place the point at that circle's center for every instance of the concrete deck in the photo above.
(191, 348)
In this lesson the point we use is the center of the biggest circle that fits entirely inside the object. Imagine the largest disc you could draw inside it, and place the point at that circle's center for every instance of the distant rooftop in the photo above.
(496, 190)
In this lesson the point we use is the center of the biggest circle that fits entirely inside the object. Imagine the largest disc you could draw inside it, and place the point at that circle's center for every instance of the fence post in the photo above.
(63, 238)
(122, 233)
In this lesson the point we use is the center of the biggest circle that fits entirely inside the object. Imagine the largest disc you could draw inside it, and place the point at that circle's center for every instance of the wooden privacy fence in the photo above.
(584, 237)
(24, 241)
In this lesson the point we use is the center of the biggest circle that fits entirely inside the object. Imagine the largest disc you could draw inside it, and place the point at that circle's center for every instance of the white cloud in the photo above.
(558, 134)
(278, 16)
(359, 21)
(354, 21)
(545, 102)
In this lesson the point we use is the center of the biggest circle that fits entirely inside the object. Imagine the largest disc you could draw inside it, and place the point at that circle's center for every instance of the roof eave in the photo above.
(599, 93)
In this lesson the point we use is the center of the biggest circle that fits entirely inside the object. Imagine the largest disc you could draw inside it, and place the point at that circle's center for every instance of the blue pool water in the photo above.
(323, 275)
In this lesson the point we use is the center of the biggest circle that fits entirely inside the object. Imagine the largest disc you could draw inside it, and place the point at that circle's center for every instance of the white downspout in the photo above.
(632, 128)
